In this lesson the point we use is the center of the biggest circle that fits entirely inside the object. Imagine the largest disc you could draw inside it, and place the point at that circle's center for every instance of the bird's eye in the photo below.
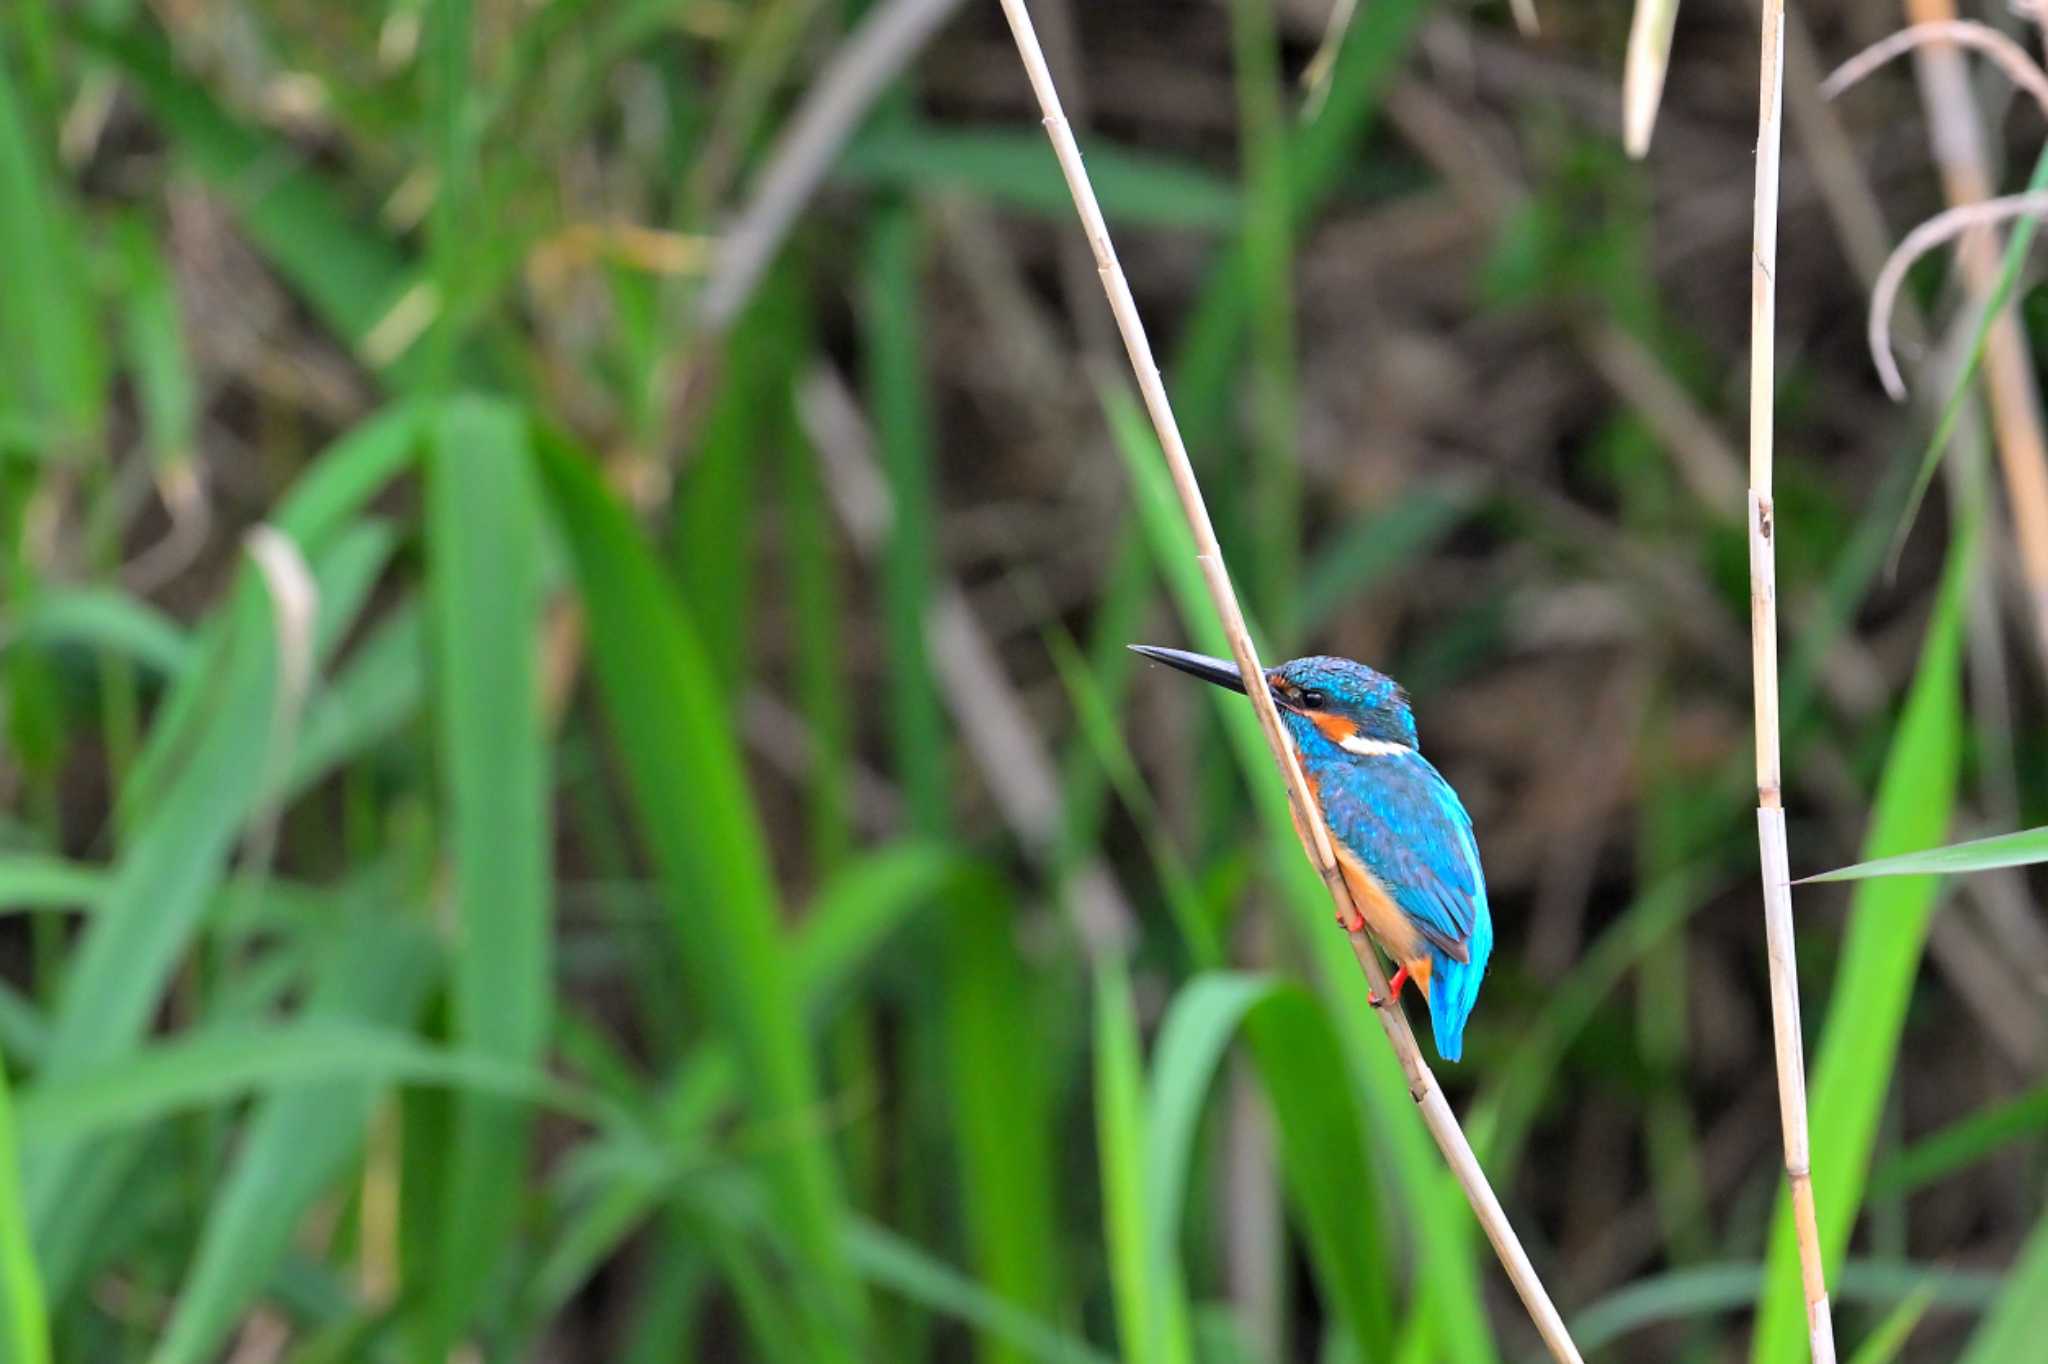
(1312, 699)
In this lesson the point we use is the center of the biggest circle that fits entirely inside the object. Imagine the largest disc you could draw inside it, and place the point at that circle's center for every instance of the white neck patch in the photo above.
(1372, 748)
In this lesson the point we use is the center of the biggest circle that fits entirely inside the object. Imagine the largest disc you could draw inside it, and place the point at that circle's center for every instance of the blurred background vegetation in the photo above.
(572, 789)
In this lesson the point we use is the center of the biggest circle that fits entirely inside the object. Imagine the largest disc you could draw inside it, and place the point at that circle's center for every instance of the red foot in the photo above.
(1393, 989)
(1352, 923)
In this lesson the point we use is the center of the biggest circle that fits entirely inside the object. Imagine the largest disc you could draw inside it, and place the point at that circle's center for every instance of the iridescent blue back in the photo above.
(1394, 811)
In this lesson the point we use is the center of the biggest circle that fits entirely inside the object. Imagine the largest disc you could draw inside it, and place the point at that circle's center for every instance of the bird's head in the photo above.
(1347, 703)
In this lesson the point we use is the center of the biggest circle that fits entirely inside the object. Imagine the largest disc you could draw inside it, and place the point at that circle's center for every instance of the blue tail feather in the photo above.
(1454, 988)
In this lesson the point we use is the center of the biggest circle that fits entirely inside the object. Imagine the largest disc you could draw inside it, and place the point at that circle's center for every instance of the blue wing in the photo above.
(1403, 820)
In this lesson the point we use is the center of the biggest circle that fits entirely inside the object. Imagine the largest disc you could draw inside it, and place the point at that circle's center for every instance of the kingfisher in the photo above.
(1402, 837)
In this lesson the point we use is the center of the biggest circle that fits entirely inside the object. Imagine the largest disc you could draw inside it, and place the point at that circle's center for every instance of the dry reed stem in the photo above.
(1763, 616)
(991, 715)
(2009, 57)
(1964, 162)
(1642, 76)
(883, 44)
(2006, 54)
(1941, 228)
(1308, 823)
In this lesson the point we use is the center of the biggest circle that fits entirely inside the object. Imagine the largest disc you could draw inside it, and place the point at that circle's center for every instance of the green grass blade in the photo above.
(1880, 960)
(818, 607)
(668, 716)
(49, 341)
(1324, 1160)
(101, 618)
(349, 473)
(1961, 1144)
(301, 1140)
(197, 1070)
(1193, 1038)
(890, 1262)
(1009, 167)
(1003, 1105)
(35, 881)
(165, 878)
(2018, 1321)
(714, 496)
(1144, 1296)
(896, 387)
(859, 910)
(1882, 1346)
(154, 339)
(350, 274)
(1274, 494)
(1320, 154)
(1704, 1290)
(24, 1314)
(1373, 547)
(379, 689)
(456, 223)
(484, 593)
(2022, 849)
(2016, 249)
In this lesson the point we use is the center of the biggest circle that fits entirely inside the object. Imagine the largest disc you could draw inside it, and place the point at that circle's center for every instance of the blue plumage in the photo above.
(1411, 856)
(1394, 812)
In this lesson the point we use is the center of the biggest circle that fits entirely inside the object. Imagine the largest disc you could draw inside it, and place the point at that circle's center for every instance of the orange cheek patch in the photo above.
(1335, 728)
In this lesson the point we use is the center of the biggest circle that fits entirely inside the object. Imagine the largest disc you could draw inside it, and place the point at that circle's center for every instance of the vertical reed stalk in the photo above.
(1763, 619)
(1422, 1086)
(1958, 142)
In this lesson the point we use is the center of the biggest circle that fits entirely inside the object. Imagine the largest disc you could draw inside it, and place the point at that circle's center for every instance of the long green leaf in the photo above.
(164, 880)
(102, 618)
(32, 881)
(24, 1314)
(893, 1263)
(858, 910)
(1009, 166)
(1882, 1346)
(2022, 849)
(54, 363)
(1003, 1104)
(1880, 958)
(1146, 1294)
(1707, 1289)
(484, 588)
(151, 1083)
(2018, 1321)
(1324, 1157)
(351, 275)
(1962, 1143)
(300, 1141)
(195, 784)
(669, 717)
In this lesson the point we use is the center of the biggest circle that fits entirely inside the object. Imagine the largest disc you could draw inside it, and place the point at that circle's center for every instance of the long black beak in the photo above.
(1221, 671)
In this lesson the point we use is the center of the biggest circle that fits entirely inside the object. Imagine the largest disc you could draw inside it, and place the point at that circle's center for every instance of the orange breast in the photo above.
(1383, 918)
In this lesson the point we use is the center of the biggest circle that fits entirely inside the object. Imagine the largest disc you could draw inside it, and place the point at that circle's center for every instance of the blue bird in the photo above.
(1401, 834)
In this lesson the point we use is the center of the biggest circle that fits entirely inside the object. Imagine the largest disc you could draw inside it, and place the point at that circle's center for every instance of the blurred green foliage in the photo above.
(499, 864)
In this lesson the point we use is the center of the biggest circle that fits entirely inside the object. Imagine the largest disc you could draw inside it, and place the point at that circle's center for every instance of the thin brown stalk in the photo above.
(2021, 69)
(1642, 77)
(1936, 231)
(1308, 823)
(1763, 618)
(1960, 151)
(892, 33)
(2004, 53)
(991, 715)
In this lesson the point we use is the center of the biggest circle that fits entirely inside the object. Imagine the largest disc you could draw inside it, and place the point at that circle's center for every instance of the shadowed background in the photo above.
(572, 785)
